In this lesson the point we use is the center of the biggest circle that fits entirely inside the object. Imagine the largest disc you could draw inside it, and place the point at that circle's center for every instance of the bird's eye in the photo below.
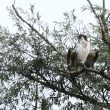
(79, 37)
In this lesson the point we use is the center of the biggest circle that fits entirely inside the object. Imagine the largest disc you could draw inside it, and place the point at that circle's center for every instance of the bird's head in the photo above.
(81, 36)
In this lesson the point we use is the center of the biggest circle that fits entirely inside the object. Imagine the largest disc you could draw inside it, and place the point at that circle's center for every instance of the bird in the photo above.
(92, 58)
(76, 57)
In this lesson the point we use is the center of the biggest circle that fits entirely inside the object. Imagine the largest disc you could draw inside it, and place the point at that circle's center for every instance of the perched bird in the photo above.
(77, 56)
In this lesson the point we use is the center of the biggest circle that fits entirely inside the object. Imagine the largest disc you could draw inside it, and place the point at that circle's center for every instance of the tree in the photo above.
(34, 71)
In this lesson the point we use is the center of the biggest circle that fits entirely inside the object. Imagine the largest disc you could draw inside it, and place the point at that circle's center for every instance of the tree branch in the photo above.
(70, 93)
(90, 70)
(35, 30)
(102, 23)
(91, 6)
(79, 94)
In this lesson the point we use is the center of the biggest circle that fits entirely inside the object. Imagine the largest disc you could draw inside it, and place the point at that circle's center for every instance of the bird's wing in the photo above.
(70, 56)
(72, 59)
(92, 57)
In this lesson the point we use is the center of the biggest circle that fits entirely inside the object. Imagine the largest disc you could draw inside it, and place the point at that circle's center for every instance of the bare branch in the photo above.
(35, 30)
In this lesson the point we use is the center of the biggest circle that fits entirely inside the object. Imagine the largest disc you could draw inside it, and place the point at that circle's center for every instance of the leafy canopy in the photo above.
(33, 69)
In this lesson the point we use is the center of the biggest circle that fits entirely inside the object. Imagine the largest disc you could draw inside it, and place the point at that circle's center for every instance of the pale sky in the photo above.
(50, 10)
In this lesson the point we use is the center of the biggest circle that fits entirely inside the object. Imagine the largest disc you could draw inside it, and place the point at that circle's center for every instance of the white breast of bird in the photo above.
(82, 49)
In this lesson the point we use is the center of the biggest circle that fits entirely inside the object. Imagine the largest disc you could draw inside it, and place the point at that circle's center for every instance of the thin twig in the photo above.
(102, 22)
(63, 90)
(90, 70)
(94, 12)
(35, 30)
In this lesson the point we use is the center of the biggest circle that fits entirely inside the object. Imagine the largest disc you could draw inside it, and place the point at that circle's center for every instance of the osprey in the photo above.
(77, 56)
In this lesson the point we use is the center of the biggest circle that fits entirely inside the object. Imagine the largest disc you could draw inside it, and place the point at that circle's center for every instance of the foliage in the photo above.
(33, 70)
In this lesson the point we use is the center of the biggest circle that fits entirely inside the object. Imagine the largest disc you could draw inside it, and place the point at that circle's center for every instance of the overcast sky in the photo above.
(50, 10)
